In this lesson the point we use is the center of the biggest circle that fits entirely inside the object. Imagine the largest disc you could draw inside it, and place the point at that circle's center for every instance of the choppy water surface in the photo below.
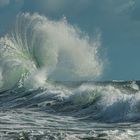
(84, 111)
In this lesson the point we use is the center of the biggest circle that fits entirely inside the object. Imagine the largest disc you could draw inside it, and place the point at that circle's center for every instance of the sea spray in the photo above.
(36, 43)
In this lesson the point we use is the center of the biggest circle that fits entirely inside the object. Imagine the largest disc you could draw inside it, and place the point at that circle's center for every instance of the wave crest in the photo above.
(53, 49)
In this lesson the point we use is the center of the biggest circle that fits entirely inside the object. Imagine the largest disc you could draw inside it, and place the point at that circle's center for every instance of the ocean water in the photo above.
(48, 91)
(80, 111)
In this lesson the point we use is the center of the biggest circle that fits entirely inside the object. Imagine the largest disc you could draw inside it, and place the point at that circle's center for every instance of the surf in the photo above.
(39, 55)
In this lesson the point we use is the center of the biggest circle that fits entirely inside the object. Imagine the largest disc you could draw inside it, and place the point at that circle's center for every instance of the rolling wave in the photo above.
(104, 103)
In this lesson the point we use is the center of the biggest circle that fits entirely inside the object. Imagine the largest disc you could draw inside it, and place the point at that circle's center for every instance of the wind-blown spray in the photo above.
(53, 49)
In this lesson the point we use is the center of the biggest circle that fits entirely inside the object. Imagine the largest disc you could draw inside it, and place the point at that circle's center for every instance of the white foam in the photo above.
(61, 50)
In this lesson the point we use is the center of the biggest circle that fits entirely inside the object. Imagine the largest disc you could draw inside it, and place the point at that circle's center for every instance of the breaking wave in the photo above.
(43, 64)
(38, 50)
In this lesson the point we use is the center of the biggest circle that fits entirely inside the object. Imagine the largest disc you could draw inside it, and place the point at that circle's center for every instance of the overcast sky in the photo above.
(118, 22)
